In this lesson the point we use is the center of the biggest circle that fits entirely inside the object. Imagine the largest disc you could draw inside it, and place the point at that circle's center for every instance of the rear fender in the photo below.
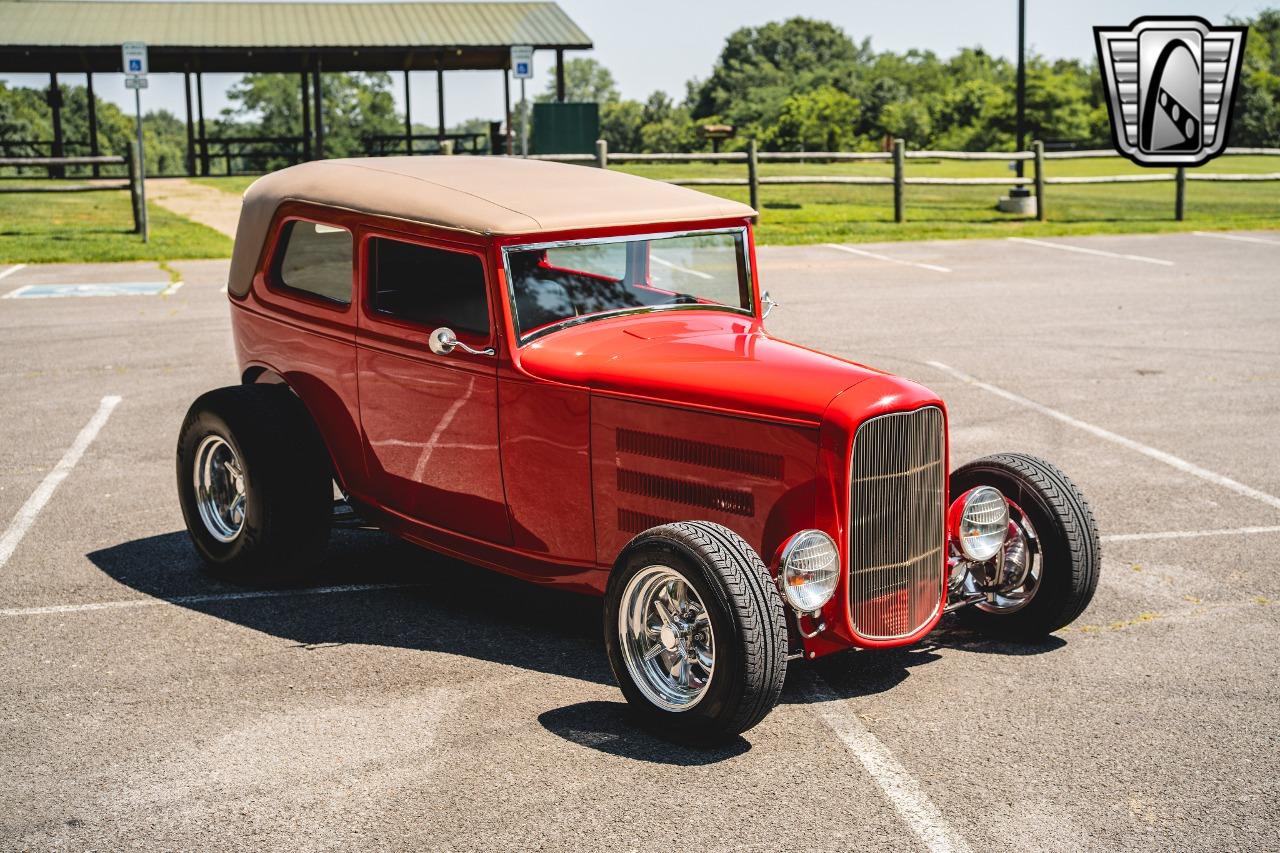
(328, 418)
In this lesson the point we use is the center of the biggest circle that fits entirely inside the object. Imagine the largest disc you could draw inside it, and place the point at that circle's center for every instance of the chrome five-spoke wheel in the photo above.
(220, 488)
(666, 638)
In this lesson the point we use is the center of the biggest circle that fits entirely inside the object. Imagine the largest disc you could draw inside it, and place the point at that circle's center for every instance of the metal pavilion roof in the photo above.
(69, 35)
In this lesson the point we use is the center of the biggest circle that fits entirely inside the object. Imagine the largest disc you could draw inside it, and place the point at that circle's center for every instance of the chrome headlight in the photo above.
(983, 525)
(810, 570)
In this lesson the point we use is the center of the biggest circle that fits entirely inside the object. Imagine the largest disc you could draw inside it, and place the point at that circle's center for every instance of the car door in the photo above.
(430, 420)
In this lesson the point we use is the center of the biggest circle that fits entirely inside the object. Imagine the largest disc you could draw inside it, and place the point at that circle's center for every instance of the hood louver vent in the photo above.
(705, 454)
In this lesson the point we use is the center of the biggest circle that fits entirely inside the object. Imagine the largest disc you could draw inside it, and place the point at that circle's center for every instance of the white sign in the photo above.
(134, 81)
(522, 61)
(133, 56)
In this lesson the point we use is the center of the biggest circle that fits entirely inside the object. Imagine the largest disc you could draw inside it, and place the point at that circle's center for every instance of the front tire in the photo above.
(695, 632)
(1067, 540)
(255, 484)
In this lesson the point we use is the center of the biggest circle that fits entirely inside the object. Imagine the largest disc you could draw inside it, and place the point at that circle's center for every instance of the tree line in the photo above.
(805, 85)
(794, 85)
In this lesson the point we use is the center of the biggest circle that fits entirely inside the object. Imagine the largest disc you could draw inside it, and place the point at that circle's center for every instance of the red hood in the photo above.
(711, 359)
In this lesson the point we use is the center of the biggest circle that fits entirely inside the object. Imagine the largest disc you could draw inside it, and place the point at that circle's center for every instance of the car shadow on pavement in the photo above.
(855, 673)
(610, 728)
(435, 603)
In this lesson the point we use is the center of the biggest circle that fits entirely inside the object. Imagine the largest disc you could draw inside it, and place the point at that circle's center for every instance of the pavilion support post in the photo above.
(408, 117)
(306, 116)
(94, 149)
(559, 76)
(506, 105)
(55, 108)
(319, 93)
(204, 140)
(191, 129)
(440, 103)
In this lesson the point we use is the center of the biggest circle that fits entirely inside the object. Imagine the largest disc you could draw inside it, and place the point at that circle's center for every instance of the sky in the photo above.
(661, 44)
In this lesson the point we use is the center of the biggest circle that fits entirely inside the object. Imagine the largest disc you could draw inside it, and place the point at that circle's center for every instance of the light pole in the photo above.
(1019, 199)
(1022, 81)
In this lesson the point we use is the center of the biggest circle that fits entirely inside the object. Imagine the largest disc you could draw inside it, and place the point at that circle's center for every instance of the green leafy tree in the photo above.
(1257, 113)
(824, 119)
(25, 117)
(975, 115)
(760, 67)
(620, 124)
(909, 120)
(356, 107)
(585, 81)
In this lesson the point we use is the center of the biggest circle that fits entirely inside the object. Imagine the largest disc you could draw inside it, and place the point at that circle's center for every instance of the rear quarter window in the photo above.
(315, 259)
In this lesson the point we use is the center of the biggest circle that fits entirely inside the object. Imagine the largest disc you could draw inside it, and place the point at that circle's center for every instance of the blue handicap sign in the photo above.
(135, 64)
(522, 68)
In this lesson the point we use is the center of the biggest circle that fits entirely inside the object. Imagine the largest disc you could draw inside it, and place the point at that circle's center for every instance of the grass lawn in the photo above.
(96, 226)
(863, 214)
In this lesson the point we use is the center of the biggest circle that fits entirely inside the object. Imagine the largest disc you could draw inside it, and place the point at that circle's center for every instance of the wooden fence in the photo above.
(133, 184)
(899, 156)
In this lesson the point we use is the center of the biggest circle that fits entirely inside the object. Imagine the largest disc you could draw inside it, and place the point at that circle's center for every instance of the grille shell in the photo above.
(897, 521)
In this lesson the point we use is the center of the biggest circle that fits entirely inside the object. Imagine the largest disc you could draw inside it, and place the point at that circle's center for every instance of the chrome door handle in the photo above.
(443, 341)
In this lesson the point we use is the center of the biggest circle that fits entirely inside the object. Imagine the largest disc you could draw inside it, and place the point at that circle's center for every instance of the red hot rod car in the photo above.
(562, 373)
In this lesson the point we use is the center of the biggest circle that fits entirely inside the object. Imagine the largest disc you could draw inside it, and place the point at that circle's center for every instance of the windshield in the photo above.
(555, 285)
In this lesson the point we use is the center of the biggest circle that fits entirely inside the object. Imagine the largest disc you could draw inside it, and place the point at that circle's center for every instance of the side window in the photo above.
(315, 259)
(434, 287)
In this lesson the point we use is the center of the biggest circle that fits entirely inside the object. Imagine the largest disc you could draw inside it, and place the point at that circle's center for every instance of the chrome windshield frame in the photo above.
(525, 338)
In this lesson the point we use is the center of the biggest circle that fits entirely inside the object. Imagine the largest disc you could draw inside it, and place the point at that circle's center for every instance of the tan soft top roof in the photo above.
(481, 195)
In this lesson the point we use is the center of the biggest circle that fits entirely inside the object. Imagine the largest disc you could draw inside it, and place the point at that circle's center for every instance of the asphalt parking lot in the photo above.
(409, 701)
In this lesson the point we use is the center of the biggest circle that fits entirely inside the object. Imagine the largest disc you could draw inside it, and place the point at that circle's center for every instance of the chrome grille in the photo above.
(897, 514)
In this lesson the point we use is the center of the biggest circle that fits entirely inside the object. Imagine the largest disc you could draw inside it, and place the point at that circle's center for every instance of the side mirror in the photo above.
(767, 303)
(443, 341)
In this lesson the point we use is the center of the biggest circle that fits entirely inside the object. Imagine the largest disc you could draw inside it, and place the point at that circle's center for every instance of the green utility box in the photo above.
(565, 128)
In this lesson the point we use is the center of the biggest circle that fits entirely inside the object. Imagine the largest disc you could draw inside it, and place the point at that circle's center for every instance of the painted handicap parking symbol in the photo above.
(128, 288)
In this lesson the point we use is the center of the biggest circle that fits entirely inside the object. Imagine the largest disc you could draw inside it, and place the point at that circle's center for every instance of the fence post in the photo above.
(899, 176)
(134, 194)
(753, 176)
(1180, 196)
(602, 153)
(1038, 146)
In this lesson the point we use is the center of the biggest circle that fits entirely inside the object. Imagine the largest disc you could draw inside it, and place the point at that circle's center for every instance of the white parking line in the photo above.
(677, 267)
(198, 599)
(1159, 455)
(1187, 534)
(1239, 237)
(28, 511)
(880, 257)
(11, 270)
(1067, 248)
(903, 792)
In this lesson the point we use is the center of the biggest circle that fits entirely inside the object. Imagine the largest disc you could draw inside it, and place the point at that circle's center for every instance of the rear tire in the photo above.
(255, 484)
(1068, 538)
(744, 629)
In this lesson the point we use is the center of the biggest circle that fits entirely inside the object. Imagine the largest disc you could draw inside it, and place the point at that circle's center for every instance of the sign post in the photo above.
(522, 69)
(133, 56)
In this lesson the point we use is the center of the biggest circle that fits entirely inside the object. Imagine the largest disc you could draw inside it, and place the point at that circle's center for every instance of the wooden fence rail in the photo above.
(133, 184)
(898, 156)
